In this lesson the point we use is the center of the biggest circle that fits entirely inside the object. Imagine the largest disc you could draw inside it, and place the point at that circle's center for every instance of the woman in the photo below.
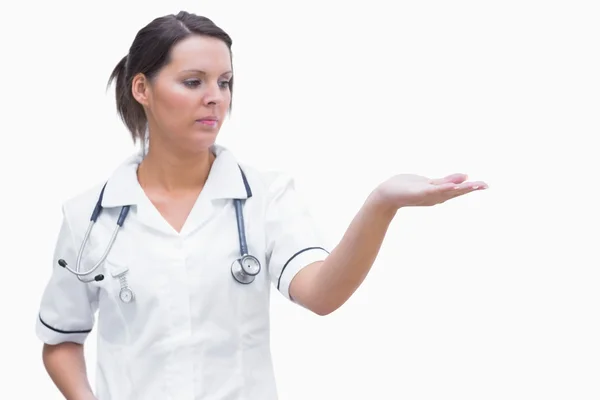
(179, 316)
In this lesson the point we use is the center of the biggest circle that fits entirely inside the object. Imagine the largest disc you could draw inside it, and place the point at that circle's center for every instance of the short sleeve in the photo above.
(68, 306)
(293, 240)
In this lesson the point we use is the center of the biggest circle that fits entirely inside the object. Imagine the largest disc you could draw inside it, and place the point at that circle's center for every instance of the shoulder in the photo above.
(80, 206)
(268, 183)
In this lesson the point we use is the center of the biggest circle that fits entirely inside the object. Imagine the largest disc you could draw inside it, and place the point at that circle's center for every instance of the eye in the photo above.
(192, 83)
(225, 84)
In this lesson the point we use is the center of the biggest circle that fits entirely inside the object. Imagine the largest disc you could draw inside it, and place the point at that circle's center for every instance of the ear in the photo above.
(140, 89)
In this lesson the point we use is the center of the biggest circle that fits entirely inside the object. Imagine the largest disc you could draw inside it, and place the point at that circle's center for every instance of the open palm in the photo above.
(408, 190)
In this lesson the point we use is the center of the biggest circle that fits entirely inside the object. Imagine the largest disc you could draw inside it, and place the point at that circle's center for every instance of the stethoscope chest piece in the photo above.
(245, 269)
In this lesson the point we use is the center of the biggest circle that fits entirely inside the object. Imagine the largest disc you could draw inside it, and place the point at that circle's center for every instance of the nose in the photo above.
(213, 94)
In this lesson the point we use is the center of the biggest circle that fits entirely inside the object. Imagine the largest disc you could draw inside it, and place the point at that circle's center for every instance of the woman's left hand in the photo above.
(413, 190)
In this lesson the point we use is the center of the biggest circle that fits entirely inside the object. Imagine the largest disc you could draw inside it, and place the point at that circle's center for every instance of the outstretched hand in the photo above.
(413, 190)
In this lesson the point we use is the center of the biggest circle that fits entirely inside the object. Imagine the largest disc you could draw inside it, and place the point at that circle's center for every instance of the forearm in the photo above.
(337, 278)
(324, 286)
(65, 364)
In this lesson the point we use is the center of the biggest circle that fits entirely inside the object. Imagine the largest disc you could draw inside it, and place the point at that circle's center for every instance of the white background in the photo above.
(492, 296)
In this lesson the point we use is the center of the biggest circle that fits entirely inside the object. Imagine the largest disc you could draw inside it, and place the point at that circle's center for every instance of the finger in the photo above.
(460, 190)
(444, 187)
(476, 185)
(453, 189)
(454, 178)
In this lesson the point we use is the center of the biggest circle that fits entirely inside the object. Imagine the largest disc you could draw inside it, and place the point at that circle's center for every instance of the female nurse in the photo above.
(179, 261)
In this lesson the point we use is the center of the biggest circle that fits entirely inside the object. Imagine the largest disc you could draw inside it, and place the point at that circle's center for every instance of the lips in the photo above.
(210, 121)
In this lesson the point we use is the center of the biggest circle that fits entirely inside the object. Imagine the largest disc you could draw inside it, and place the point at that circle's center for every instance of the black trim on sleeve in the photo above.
(61, 331)
(294, 256)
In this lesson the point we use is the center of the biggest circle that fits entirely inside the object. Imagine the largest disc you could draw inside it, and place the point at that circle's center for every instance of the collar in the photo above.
(226, 180)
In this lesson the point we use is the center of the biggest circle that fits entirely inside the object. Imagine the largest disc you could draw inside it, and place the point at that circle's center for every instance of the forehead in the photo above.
(200, 53)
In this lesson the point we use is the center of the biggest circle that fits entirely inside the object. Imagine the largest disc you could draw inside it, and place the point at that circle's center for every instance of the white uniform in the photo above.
(192, 332)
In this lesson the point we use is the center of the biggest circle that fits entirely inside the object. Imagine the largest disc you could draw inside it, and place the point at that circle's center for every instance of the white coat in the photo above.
(192, 332)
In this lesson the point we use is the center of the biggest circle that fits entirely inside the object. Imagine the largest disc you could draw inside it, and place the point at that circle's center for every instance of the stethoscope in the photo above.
(243, 269)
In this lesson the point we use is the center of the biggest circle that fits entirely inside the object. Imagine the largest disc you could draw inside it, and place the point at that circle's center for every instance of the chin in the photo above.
(199, 142)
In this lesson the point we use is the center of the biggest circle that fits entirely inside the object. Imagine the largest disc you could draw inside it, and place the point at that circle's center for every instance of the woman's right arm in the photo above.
(66, 317)
(65, 364)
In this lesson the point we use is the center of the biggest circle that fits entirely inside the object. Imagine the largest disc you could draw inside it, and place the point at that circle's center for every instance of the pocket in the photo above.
(148, 309)
(120, 276)
(119, 288)
(112, 323)
(110, 285)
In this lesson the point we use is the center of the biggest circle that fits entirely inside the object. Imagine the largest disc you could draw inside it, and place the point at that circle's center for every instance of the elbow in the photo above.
(324, 309)
(321, 305)
(317, 308)
(323, 312)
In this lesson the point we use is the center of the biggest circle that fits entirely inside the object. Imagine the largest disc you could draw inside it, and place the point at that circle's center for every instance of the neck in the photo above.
(175, 172)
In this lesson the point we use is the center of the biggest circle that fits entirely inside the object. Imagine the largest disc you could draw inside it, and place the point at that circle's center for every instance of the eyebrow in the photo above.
(200, 72)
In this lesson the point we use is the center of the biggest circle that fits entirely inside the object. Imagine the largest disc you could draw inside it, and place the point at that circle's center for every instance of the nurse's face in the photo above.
(188, 100)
